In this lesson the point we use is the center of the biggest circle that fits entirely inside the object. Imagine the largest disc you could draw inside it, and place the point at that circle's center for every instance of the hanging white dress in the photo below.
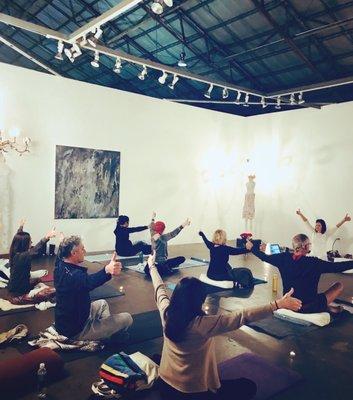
(249, 201)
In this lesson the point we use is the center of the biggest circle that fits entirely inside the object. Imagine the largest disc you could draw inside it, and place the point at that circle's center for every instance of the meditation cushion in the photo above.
(222, 284)
(319, 319)
(19, 374)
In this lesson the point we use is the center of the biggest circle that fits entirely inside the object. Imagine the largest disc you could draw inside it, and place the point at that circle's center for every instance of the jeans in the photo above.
(101, 324)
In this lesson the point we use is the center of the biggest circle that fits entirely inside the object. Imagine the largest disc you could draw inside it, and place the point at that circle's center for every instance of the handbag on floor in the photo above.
(243, 277)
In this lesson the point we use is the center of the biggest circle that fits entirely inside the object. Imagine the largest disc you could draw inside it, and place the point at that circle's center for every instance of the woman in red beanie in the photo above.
(159, 241)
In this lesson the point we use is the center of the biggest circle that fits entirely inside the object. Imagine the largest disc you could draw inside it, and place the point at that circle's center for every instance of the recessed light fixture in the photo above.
(182, 63)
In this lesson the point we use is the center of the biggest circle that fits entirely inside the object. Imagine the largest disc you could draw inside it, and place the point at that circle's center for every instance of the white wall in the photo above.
(178, 160)
(303, 159)
(165, 150)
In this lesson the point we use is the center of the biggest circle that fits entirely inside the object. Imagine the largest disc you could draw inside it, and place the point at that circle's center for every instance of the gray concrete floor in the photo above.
(324, 357)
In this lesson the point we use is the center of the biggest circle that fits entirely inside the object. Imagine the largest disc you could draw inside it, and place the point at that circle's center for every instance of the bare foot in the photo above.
(335, 309)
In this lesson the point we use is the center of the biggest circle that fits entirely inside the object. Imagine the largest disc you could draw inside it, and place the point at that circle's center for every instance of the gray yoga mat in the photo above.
(107, 257)
(189, 263)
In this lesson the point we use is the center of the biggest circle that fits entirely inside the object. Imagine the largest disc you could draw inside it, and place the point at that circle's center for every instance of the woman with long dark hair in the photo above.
(188, 368)
(21, 254)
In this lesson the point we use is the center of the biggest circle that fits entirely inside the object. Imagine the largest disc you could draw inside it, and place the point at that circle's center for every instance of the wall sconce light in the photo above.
(12, 144)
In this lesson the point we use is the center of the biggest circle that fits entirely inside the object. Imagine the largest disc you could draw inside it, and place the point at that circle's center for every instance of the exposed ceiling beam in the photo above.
(317, 86)
(182, 73)
(110, 14)
(260, 6)
(27, 54)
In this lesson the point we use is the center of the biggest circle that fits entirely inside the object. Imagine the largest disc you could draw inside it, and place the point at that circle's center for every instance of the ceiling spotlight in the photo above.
(97, 34)
(292, 99)
(182, 62)
(83, 40)
(69, 55)
(237, 100)
(278, 104)
(263, 102)
(59, 54)
(246, 101)
(117, 66)
(209, 91)
(163, 78)
(174, 81)
(225, 93)
(76, 50)
(157, 6)
(142, 75)
(95, 62)
(300, 98)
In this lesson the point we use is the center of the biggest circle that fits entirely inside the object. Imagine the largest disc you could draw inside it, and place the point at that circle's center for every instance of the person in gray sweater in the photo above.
(159, 241)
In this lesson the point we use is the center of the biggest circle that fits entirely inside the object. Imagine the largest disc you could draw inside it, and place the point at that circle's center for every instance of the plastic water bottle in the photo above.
(41, 379)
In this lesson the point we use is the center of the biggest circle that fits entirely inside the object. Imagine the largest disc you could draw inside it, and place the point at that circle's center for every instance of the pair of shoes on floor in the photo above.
(102, 390)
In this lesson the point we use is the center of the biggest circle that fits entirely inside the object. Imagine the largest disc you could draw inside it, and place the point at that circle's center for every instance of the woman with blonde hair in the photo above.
(219, 268)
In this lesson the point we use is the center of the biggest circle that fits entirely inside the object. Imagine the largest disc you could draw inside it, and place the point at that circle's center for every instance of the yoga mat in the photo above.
(137, 268)
(210, 289)
(18, 310)
(279, 328)
(270, 379)
(105, 292)
(107, 257)
(192, 262)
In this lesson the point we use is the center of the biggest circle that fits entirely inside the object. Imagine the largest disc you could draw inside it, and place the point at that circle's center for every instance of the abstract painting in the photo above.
(87, 183)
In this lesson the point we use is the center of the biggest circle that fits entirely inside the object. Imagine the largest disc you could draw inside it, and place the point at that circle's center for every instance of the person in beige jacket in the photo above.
(188, 368)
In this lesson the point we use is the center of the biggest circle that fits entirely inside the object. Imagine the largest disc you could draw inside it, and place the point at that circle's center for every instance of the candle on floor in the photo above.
(121, 288)
(292, 354)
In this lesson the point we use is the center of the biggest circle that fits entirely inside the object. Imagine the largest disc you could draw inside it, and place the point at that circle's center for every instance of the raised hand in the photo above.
(22, 222)
(186, 223)
(249, 244)
(299, 212)
(289, 302)
(114, 266)
(151, 259)
(153, 215)
(263, 247)
(347, 218)
(51, 234)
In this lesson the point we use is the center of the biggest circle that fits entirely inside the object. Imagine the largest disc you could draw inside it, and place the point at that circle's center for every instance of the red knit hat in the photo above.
(159, 227)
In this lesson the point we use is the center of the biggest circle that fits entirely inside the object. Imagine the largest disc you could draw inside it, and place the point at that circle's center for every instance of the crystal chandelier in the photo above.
(12, 144)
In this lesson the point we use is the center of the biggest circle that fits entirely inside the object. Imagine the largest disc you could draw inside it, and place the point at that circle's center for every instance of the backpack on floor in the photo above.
(243, 277)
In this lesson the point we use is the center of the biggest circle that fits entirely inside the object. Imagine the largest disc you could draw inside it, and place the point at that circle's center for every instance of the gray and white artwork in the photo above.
(87, 183)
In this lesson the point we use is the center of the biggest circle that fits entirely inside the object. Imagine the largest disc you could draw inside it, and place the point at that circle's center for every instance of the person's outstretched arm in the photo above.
(235, 251)
(332, 231)
(176, 231)
(209, 244)
(308, 224)
(331, 267)
(160, 290)
(219, 324)
(35, 250)
(273, 259)
(92, 281)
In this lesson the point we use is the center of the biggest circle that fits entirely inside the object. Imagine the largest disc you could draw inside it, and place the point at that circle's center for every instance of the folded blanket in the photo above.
(319, 319)
(222, 284)
(52, 339)
(18, 332)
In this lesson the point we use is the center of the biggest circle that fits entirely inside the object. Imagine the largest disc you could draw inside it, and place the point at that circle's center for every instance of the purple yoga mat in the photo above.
(270, 379)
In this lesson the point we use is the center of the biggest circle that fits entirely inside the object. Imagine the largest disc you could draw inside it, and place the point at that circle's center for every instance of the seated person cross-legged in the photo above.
(76, 317)
(20, 260)
(160, 241)
(123, 245)
(188, 368)
(219, 268)
(302, 272)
